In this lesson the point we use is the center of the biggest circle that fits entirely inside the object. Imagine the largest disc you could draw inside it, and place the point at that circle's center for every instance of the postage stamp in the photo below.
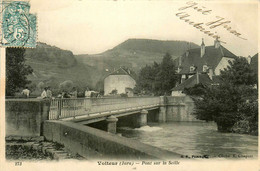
(18, 25)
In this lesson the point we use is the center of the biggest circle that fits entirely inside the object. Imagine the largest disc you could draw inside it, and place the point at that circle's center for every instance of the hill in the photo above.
(175, 48)
(52, 66)
(134, 54)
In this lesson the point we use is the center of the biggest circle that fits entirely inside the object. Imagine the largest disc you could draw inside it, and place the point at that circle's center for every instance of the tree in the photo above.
(158, 78)
(234, 100)
(66, 85)
(239, 72)
(166, 77)
(219, 104)
(147, 78)
(16, 70)
(40, 85)
(114, 92)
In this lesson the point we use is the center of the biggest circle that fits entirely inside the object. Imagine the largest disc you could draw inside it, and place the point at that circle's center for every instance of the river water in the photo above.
(195, 139)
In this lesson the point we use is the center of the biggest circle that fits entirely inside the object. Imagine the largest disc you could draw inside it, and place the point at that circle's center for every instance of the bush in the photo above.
(66, 85)
(226, 105)
(114, 92)
(123, 95)
(248, 111)
(233, 104)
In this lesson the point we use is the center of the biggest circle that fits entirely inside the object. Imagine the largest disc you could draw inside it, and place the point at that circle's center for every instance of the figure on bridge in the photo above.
(74, 93)
(49, 93)
(44, 93)
(26, 92)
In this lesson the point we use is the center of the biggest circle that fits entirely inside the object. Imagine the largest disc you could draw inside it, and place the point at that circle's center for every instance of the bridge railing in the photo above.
(66, 108)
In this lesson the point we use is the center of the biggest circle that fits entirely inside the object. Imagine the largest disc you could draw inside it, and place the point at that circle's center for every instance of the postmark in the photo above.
(18, 25)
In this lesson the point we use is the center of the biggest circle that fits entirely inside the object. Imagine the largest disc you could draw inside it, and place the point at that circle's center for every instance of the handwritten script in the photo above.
(206, 27)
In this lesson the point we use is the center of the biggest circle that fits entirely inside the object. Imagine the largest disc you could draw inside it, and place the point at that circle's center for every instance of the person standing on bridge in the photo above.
(48, 92)
(44, 93)
(26, 92)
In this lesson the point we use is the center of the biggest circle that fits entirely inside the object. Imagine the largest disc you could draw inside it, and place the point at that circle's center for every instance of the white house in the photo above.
(120, 80)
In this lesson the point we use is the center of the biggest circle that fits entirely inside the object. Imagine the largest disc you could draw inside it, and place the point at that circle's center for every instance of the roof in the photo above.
(211, 58)
(203, 78)
(122, 71)
(216, 79)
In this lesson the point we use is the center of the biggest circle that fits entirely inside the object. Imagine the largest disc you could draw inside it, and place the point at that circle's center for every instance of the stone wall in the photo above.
(24, 117)
(92, 143)
(180, 109)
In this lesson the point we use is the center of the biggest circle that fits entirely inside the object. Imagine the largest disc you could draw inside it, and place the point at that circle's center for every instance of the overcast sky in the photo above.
(87, 27)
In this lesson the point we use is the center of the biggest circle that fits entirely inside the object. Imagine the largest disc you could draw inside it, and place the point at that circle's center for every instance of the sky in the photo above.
(90, 27)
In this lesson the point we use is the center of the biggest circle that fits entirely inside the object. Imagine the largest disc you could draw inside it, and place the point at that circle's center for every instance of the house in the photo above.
(120, 81)
(206, 61)
(192, 81)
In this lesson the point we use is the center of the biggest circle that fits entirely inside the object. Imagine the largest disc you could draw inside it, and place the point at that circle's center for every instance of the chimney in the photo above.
(249, 59)
(202, 49)
(210, 73)
(217, 43)
(204, 68)
(179, 69)
(183, 78)
(197, 79)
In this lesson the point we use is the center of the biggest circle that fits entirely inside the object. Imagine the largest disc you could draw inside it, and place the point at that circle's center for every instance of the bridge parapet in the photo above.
(67, 108)
(24, 117)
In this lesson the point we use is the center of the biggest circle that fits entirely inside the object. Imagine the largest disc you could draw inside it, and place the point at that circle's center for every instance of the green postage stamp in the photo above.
(18, 26)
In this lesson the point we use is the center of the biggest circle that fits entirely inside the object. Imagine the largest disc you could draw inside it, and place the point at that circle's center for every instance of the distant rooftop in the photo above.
(211, 58)
(202, 78)
(122, 71)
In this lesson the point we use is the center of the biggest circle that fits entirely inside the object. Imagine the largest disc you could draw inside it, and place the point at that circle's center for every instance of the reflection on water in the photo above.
(194, 138)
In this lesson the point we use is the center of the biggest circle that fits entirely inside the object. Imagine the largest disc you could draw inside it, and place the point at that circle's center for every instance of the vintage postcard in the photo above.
(129, 85)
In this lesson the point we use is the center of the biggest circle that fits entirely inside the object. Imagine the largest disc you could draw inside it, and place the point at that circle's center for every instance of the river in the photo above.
(195, 139)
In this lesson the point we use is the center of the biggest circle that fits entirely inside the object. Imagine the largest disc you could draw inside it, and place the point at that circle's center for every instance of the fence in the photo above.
(65, 108)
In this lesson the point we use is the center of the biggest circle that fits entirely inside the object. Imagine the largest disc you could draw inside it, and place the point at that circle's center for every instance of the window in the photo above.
(192, 68)
(205, 68)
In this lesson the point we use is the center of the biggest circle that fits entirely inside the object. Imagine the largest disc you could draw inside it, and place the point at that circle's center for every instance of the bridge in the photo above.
(91, 110)
(78, 109)
(73, 122)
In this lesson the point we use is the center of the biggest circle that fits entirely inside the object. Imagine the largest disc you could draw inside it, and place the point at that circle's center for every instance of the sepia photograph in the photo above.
(127, 84)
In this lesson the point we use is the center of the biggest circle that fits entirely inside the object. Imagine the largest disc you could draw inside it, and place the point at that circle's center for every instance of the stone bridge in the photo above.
(91, 110)
(72, 122)
(28, 114)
